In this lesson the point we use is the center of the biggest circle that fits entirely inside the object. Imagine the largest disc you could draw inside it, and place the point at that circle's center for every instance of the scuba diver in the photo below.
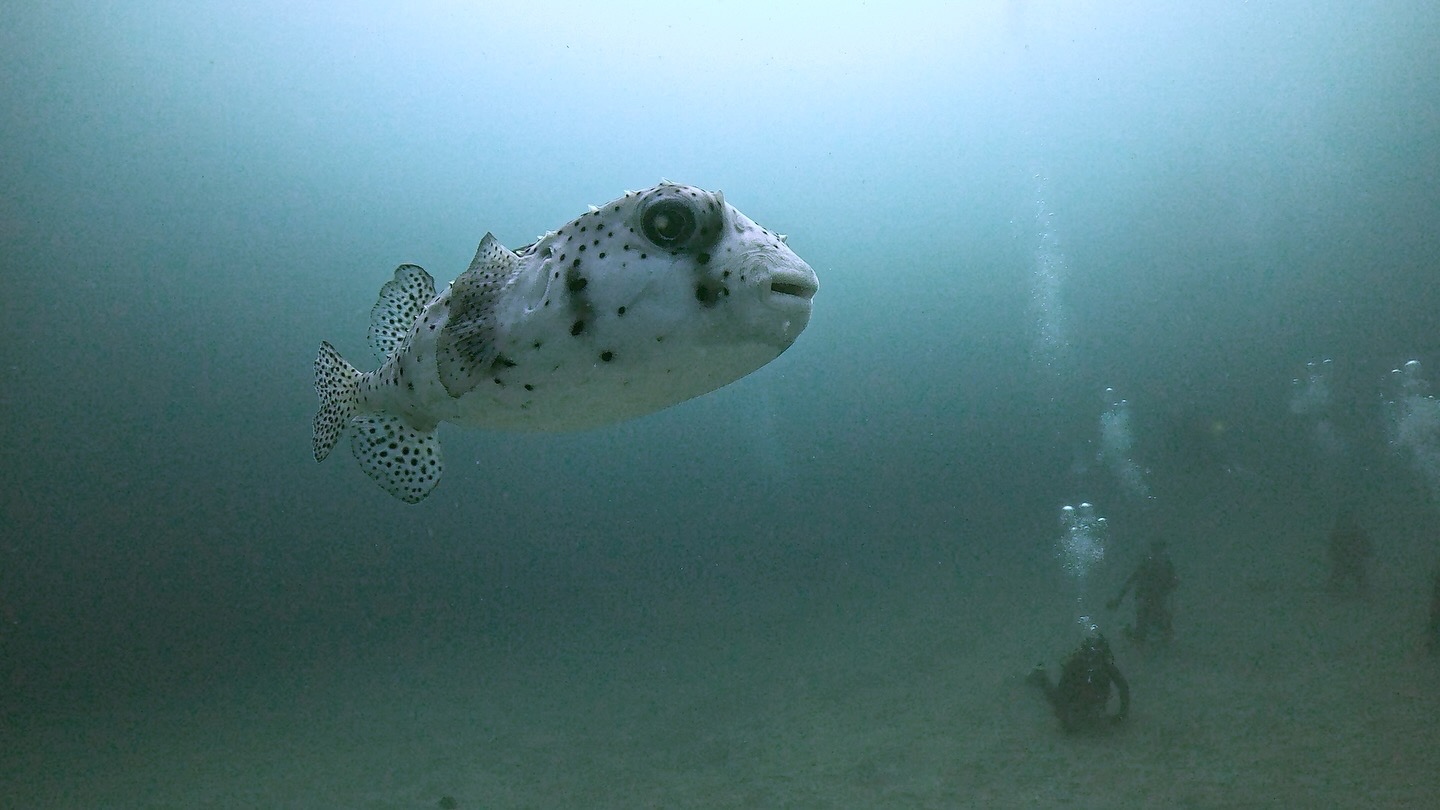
(1153, 581)
(1081, 698)
(1349, 554)
(1433, 635)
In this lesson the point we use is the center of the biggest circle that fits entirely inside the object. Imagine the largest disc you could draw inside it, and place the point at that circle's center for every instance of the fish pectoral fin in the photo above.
(404, 460)
(401, 301)
(469, 342)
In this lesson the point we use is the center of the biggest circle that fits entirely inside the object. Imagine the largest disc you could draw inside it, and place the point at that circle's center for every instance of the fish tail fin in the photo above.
(337, 383)
(401, 458)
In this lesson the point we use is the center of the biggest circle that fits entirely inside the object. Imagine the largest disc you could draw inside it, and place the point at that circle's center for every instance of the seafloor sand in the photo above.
(854, 696)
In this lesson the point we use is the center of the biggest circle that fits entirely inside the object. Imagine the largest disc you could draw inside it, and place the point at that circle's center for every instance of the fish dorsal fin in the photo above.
(401, 301)
(468, 343)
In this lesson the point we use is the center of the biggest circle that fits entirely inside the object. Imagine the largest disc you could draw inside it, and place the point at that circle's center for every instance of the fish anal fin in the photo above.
(401, 301)
(470, 342)
(402, 459)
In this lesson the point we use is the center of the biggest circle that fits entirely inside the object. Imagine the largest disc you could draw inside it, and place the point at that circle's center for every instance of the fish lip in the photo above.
(796, 289)
(793, 283)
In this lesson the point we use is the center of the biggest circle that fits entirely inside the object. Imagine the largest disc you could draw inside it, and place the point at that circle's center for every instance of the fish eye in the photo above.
(668, 223)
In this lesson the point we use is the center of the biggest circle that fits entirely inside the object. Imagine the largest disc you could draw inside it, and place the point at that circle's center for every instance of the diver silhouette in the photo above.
(1349, 553)
(1153, 580)
(1432, 639)
(1081, 698)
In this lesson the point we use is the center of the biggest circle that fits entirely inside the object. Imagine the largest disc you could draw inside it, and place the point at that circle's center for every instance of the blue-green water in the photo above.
(817, 587)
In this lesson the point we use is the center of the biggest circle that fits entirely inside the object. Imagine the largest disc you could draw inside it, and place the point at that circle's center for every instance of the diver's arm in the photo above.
(1124, 688)
(1041, 679)
(1124, 589)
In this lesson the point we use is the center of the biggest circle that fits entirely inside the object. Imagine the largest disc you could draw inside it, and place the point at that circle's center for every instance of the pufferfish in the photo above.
(645, 302)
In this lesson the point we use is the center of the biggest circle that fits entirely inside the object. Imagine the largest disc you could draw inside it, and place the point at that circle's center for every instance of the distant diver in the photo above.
(1433, 634)
(1153, 580)
(1349, 553)
(1081, 699)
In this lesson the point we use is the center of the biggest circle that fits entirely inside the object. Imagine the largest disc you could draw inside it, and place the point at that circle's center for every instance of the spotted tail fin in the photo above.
(337, 383)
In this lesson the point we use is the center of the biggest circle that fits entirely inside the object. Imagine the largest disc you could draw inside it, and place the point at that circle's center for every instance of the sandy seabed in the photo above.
(1273, 695)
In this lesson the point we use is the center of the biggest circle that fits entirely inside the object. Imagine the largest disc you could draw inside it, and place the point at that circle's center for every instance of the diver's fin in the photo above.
(337, 383)
(401, 301)
(469, 343)
(403, 460)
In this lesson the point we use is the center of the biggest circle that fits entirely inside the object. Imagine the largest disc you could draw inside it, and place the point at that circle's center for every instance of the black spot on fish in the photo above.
(606, 356)
(577, 327)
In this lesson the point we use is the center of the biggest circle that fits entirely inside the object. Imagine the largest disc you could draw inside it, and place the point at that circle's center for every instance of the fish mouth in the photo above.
(794, 283)
(784, 290)
(795, 288)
